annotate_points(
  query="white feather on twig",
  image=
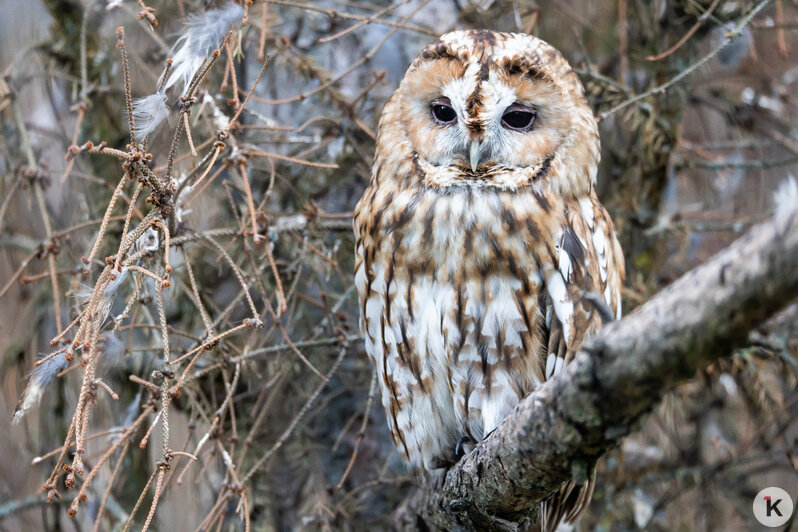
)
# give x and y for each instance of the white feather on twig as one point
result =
(39, 379)
(149, 112)
(203, 32)
(43, 374)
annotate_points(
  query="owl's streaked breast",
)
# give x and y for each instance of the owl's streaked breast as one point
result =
(453, 308)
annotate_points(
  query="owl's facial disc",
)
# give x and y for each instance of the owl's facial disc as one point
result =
(478, 118)
(495, 109)
(516, 117)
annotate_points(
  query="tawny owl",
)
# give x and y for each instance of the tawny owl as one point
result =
(481, 245)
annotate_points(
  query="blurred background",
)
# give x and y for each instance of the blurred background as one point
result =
(284, 417)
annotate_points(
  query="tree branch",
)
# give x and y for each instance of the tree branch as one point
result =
(558, 432)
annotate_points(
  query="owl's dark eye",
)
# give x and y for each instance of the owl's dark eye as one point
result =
(442, 112)
(519, 117)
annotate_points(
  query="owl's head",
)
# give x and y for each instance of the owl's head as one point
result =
(496, 109)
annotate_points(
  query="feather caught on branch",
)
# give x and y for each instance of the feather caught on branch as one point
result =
(149, 112)
(49, 366)
(41, 376)
(202, 33)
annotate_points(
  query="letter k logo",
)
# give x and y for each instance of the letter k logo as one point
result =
(772, 506)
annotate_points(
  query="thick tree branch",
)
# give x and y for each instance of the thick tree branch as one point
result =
(566, 425)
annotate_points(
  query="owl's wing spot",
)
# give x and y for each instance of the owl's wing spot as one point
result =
(571, 244)
(571, 256)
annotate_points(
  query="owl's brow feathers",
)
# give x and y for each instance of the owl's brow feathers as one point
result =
(481, 48)
(515, 65)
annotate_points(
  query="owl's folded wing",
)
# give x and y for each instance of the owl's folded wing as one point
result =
(585, 282)
(585, 285)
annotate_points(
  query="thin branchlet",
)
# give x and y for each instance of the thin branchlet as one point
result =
(120, 43)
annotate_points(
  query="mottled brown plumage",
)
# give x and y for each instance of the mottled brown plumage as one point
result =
(477, 240)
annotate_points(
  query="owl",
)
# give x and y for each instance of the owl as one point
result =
(483, 257)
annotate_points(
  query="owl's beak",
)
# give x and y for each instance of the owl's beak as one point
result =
(474, 153)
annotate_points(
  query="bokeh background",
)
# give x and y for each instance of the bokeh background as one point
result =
(684, 171)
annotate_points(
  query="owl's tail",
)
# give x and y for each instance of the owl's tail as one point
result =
(566, 505)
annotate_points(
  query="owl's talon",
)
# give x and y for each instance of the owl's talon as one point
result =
(601, 306)
(460, 449)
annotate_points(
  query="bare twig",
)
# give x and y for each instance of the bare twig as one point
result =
(659, 89)
(294, 422)
(361, 18)
(704, 16)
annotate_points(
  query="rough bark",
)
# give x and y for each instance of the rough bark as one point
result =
(561, 429)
